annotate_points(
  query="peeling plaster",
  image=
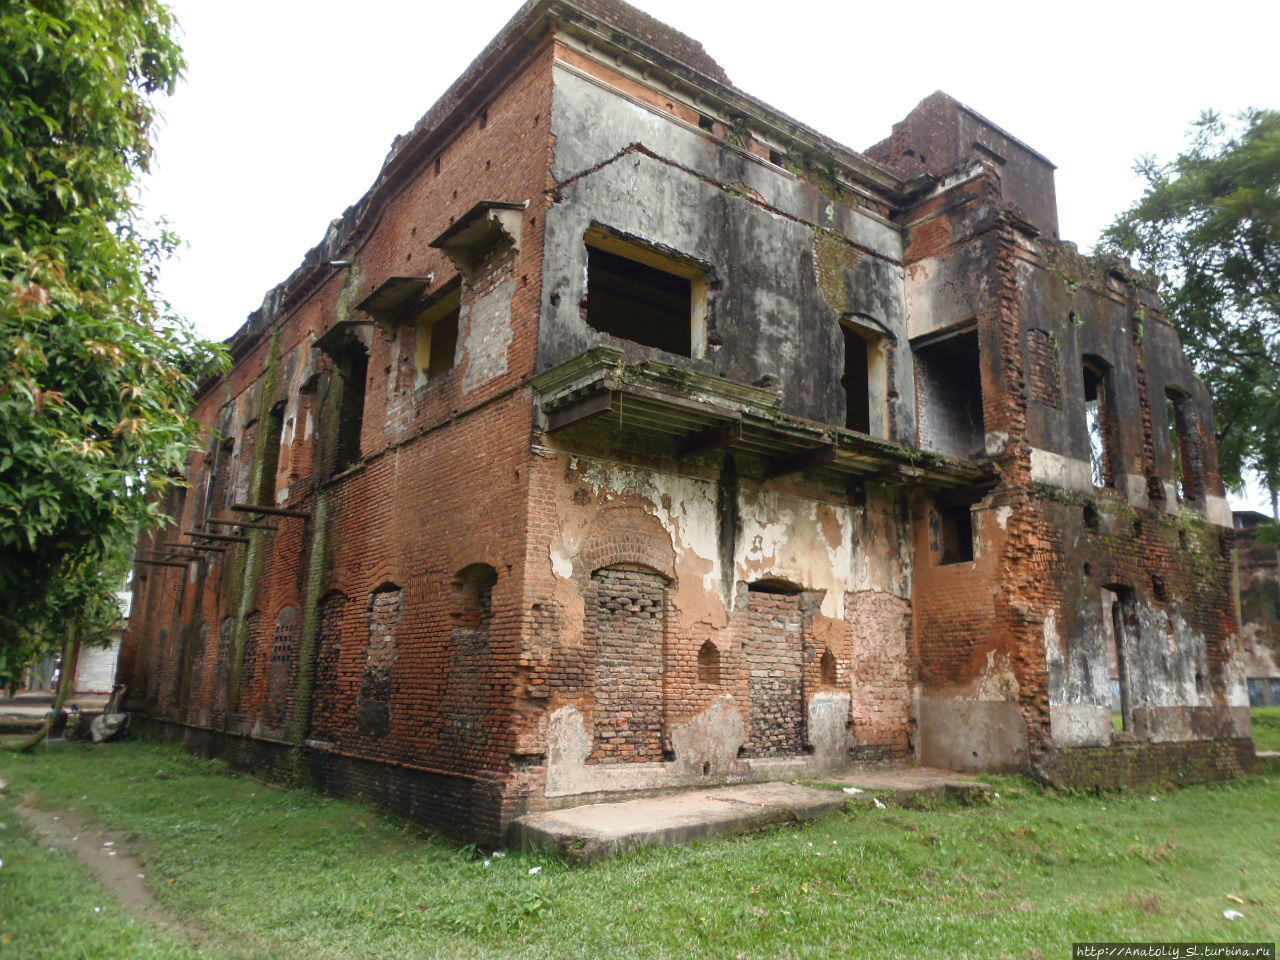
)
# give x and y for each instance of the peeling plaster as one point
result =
(1002, 516)
(792, 539)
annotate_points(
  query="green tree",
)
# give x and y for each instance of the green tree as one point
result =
(96, 378)
(1208, 225)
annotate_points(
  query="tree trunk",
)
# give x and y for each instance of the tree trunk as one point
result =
(70, 649)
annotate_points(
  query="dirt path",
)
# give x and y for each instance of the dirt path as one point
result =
(114, 860)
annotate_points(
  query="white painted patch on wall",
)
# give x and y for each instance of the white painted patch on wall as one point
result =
(1217, 511)
(1002, 516)
(1135, 491)
(1058, 471)
(996, 442)
(691, 521)
(783, 536)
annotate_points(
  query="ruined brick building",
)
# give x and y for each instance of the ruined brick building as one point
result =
(628, 435)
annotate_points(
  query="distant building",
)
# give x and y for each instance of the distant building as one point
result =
(1258, 600)
(630, 435)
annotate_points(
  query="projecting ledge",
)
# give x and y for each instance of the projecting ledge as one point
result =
(697, 412)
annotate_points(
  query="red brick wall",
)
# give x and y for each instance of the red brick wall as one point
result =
(441, 486)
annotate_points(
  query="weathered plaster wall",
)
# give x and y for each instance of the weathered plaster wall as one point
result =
(805, 675)
(784, 262)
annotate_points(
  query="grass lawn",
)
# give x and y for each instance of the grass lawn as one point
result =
(288, 873)
(1266, 728)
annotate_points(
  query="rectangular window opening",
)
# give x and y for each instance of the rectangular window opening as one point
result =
(856, 381)
(1099, 418)
(437, 329)
(1120, 626)
(266, 492)
(1183, 454)
(353, 370)
(949, 393)
(639, 294)
(216, 492)
(955, 533)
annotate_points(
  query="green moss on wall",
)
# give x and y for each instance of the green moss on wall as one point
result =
(832, 255)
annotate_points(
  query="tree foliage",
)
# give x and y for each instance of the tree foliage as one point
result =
(1208, 225)
(96, 378)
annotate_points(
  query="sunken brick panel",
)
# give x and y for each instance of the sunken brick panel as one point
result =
(629, 606)
(1044, 377)
(772, 648)
(324, 703)
(284, 658)
(373, 704)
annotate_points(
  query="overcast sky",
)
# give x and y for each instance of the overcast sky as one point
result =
(290, 107)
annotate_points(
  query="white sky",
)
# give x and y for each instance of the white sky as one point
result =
(290, 107)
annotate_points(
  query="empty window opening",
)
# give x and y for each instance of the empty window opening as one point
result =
(827, 669)
(216, 494)
(1183, 450)
(706, 123)
(774, 585)
(856, 382)
(864, 377)
(353, 370)
(636, 293)
(1091, 521)
(709, 663)
(955, 532)
(1120, 623)
(266, 492)
(1099, 417)
(437, 329)
(949, 395)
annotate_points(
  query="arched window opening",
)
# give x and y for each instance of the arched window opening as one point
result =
(709, 663)
(827, 669)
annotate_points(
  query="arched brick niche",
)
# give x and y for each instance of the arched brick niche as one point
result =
(324, 699)
(373, 702)
(626, 535)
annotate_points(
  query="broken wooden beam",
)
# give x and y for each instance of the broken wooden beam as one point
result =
(579, 411)
(244, 523)
(213, 536)
(273, 511)
(810, 459)
(712, 438)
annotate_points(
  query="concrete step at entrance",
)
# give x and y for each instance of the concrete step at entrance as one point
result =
(598, 830)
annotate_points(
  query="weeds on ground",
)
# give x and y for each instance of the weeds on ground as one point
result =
(314, 877)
